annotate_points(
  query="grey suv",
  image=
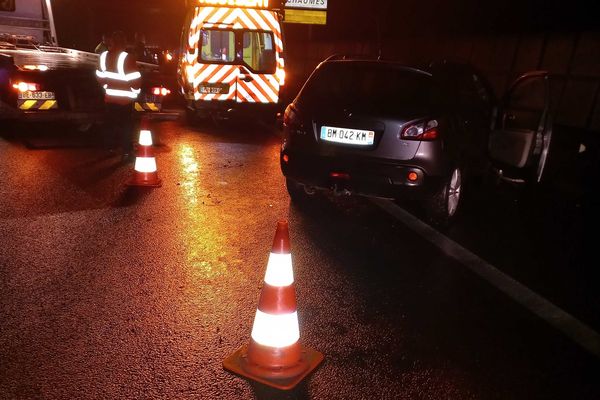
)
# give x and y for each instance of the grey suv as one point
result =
(385, 130)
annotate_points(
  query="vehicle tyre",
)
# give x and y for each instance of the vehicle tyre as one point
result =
(446, 202)
(190, 116)
(299, 193)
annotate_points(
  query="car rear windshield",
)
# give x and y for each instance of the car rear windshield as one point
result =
(379, 87)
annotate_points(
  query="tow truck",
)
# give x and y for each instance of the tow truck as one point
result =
(41, 81)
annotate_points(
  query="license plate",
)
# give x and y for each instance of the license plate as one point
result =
(150, 98)
(347, 136)
(214, 88)
(37, 96)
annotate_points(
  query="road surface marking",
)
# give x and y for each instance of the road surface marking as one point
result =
(579, 332)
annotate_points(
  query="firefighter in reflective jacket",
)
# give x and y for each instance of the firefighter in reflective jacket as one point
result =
(120, 78)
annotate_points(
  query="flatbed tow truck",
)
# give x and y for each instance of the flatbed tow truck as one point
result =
(41, 81)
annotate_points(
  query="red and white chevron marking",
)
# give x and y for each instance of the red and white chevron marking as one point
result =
(262, 88)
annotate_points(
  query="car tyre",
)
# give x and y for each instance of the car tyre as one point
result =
(446, 202)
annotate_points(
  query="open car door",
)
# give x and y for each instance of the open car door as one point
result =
(522, 130)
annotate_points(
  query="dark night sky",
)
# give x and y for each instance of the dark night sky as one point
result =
(80, 23)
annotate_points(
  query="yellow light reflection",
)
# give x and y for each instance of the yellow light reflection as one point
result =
(200, 235)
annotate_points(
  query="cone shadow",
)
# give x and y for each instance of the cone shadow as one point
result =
(132, 195)
(262, 392)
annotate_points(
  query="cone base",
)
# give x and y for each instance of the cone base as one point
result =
(277, 378)
(145, 180)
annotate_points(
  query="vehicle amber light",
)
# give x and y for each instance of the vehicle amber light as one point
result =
(26, 87)
(169, 56)
(160, 91)
(412, 176)
(286, 158)
(36, 67)
(281, 76)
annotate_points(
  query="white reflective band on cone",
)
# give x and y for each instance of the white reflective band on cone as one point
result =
(276, 330)
(279, 270)
(145, 164)
(145, 138)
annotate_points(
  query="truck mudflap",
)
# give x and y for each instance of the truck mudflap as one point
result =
(43, 111)
(165, 115)
(56, 116)
(42, 105)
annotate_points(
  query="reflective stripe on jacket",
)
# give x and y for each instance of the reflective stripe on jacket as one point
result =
(118, 85)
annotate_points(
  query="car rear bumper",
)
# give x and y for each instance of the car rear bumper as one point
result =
(365, 176)
(204, 108)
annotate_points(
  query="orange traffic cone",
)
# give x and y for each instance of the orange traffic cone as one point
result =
(274, 356)
(145, 170)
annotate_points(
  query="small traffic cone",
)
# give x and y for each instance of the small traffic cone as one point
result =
(274, 355)
(145, 170)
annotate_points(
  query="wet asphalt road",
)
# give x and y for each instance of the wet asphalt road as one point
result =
(115, 293)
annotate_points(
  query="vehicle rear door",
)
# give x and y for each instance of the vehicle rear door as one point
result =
(257, 81)
(521, 133)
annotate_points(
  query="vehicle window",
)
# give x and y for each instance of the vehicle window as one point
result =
(369, 85)
(529, 94)
(218, 45)
(259, 51)
(7, 5)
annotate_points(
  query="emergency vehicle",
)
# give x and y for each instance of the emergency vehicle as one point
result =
(232, 57)
(41, 81)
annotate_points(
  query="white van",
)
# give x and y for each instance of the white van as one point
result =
(232, 57)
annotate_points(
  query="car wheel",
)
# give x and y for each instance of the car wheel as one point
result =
(445, 203)
(299, 193)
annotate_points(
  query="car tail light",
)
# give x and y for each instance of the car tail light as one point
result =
(421, 130)
(340, 175)
(33, 67)
(160, 91)
(290, 117)
(26, 86)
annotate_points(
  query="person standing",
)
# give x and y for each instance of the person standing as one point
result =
(140, 47)
(119, 76)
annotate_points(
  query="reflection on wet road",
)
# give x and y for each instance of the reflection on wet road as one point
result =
(109, 292)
